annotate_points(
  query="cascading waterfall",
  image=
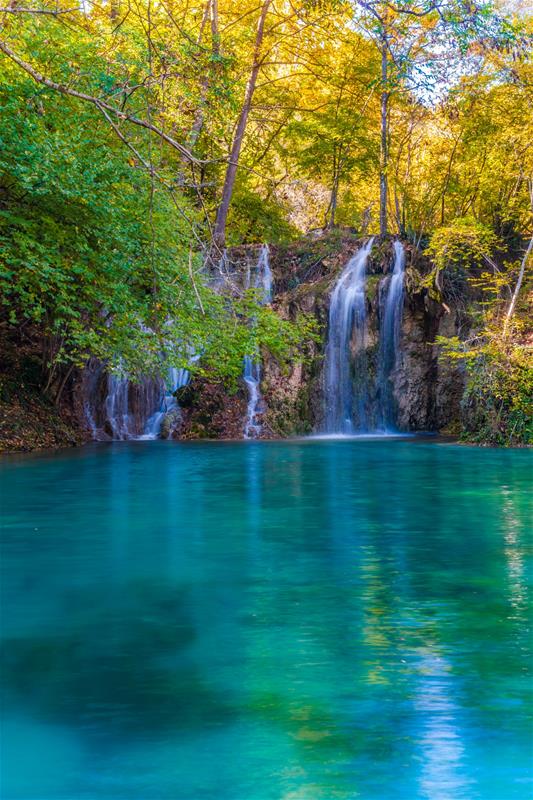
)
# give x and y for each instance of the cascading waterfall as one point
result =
(119, 409)
(358, 375)
(260, 277)
(176, 379)
(252, 378)
(127, 407)
(389, 344)
(346, 390)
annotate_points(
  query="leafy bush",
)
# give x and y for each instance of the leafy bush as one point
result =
(498, 401)
(458, 251)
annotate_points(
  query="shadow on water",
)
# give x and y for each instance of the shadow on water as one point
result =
(119, 666)
(254, 621)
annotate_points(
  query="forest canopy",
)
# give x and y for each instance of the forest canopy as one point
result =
(140, 138)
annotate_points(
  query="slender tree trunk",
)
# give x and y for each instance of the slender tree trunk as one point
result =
(516, 292)
(215, 36)
(62, 384)
(398, 213)
(330, 217)
(448, 177)
(384, 155)
(198, 123)
(365, 220)
(333, 207)
(219, 232)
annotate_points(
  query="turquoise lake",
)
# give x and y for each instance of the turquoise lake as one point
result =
(298, 620)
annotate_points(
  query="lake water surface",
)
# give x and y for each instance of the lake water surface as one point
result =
(314, 620)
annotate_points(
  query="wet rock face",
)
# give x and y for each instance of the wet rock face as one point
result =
(427, 391)
(114, 408)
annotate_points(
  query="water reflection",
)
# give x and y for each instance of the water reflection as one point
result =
(310, 620)
(442, 749)
(514, 554)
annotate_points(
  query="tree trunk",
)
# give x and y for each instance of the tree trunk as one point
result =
(332, 210)
(384, 155)
(219, 232)
(62, 384)
(215, 35)
(516, 292)
(333, 203)
(198, 124)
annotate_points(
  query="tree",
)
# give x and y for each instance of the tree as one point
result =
(333, 142)
(219, 232)
(420, 42)
(100, 250)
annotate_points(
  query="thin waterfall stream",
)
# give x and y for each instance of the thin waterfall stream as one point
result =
(260, 278)
(117, 408)
(127, 406)
(346, 389)
(389, 343)
(176, 379)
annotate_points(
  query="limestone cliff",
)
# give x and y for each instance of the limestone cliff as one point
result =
(427, 392)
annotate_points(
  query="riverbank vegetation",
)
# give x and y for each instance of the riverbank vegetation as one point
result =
(140, 139)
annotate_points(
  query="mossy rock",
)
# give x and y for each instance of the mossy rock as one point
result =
(186, 396)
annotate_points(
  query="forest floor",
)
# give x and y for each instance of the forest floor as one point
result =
(28, 420)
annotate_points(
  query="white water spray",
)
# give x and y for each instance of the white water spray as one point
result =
(389, 343)
(259, 277)
(176, 379)
(346, 391)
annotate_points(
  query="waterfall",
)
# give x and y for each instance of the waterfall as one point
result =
(128, 407)
(260, 278)
(346, 389)
(389, 344)
(119, 409)
(176, 379)
(252, 378)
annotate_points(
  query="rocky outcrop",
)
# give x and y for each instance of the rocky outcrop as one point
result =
(427, 391)
(209, 411)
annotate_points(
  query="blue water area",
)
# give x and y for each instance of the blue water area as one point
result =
(312, 620)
